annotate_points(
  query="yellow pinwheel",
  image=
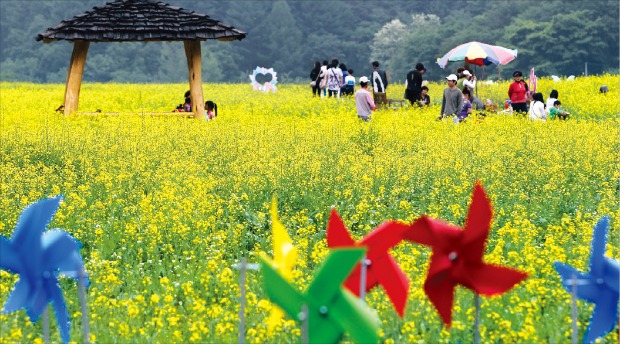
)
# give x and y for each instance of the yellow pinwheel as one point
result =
(284, 253)
(284, 257)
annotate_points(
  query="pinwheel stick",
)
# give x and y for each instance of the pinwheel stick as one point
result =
(573, 294)
(363, 270)
(477, 319)
(82, 294)
(303, 317)
(242, 267)
(46, 327)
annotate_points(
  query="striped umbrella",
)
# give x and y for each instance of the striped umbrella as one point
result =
(480, 54)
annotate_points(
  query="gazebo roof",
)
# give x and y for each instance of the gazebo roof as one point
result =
(139, 21)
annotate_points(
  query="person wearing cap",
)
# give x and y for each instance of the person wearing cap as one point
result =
(518, 93)
(363, 101)
(469, 81)
(413, 83)
(452, 101)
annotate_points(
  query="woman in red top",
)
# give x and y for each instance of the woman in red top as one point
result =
(518, 93)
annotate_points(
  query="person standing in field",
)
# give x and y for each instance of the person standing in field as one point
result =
(460, 77)
(345, 72)
(469, 81)
(363, 101)
(349, 84)
(323, 78)
(452, 101)
(414, 83)
(315, 74)
(334, 79)
(518, 93)
(379, 79)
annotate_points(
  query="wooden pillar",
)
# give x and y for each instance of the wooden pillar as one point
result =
(193, 54)
(74, 75)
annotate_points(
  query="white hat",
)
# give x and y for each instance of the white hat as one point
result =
(466, 72)
(364, 79)
(452, 77)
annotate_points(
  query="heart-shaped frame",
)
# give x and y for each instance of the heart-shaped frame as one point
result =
(267, 86)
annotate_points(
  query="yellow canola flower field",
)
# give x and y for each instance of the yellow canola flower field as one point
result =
(165, 206)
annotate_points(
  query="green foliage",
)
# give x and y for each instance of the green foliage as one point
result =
(556, 37)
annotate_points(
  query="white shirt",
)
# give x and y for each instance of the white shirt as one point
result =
(537, 111)
(376, 79)
(550, 102)
(350, 80)
(323, 71)
(334, 79)
(469, 83)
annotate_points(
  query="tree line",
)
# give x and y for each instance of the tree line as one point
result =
(555, 37)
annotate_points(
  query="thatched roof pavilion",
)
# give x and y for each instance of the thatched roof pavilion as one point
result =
(138, 21)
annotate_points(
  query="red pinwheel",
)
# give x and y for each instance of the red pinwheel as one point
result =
(382, 268)
(457, 256)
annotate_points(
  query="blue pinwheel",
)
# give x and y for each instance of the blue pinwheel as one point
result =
(598, 286)
(39, 256)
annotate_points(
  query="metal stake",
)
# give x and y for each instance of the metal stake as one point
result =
(573, 294)
(82, 294)
(46, 327)
(242, 267)
(477, 319)
(365, 263)
(303, 316)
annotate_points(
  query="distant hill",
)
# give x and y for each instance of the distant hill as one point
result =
(556, 37)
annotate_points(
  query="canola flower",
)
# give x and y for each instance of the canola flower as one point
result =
(164, 205)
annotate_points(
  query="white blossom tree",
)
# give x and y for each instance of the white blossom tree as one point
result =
(387, 42)
(390, 42)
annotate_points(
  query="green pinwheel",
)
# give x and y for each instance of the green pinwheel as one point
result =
(331, 309)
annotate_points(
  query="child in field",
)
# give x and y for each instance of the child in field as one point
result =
(349, 84)
(424, 98)
(187, 106)
(555, 111)
(210, 110)
(466, 109)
